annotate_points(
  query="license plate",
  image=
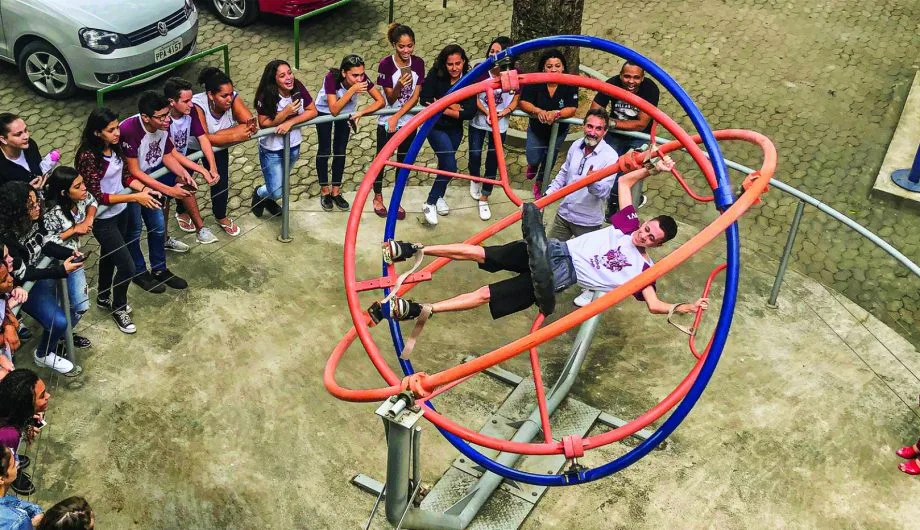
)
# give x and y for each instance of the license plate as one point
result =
(169, 49)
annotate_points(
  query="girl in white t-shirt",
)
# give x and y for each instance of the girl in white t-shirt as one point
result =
(339, 94)
(481, 130)
(281, 102)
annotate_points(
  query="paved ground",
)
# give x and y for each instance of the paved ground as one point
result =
(214, 414)
(825, 81)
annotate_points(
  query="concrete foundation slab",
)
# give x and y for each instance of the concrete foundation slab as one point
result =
(902, 150)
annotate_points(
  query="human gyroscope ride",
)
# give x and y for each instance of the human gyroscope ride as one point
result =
(408, 396)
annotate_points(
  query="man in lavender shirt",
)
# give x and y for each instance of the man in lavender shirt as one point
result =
(599, 261)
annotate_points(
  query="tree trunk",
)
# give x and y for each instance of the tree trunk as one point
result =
(542, 18)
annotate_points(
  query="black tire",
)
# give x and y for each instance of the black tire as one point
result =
(45, 71)
(236, 12)
(541, 273)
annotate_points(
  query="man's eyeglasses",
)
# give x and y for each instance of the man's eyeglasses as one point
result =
(161, 117)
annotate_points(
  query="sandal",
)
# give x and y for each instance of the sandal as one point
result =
(231, 228)
(401, 214)
(381, 210)
(908, 452)
(910, 467)
(185, 223)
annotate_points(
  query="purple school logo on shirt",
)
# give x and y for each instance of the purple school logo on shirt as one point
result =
(180, 141)
(613, 260)
(154, 154)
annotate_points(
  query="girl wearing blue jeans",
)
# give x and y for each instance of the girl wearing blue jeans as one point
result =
(21, 230)
(481, 130)
(281, 102)
(447, 133)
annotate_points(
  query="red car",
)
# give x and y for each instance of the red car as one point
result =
(244, 12)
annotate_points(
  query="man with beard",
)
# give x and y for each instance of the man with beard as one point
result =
(627, 117)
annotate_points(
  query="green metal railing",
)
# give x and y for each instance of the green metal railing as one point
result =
(100, 94)
(297, 21)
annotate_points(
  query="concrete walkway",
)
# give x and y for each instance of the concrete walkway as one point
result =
(214, 415)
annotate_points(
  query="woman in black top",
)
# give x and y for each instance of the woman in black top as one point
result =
(447, 133)
(20, 158)
(546, 103)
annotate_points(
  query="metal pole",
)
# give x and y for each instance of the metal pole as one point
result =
(285, 236)
(297, 43)
(550, 155)
(391, 12)
(909, 179)
(226, 59)
(68, 336)
(784, 261)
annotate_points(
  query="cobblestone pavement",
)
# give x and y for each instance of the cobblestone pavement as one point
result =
(826, 81)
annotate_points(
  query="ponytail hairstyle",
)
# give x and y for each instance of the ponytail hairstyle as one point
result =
(213, 78)
(348, 62)
(72, 513)
(397, 30)
(267, 95)
(57, 190)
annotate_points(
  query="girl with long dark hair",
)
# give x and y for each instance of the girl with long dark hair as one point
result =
(400, 75)
(340, 91)
(447, 134)
(481, 131)
(546, 103)
(101, 164)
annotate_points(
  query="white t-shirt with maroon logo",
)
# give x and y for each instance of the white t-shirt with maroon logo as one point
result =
(147, 147)
(332, 86)
(607, 258)
(181, 129)
(388, 74)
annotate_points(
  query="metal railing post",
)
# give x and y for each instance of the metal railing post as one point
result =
(226, 59)
(390, 20)
(285, 236)
(68, 336)
(297, 43)
(550, 155)
(784, 261)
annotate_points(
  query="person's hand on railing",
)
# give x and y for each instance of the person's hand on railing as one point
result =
(71, 265)
(18, 296)
(283, 128)
(392, 123)
(147, 198)
(211, 177)
(252, 126)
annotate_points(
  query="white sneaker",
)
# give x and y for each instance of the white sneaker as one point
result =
(484, 212)
(175, 245)
(585, 298)
(58, 364)
(442, 207)
(206, 237)
(431, 216)
(475, 190)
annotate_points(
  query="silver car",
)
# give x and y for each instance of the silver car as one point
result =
(60, 45)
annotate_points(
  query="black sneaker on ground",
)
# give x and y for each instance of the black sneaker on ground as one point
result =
(123, 321)
(325, 201)
(258, 205)
(272, 207)
(396, 251)
(340, 203)
(166, 277)
(23, 484)
(106, 303)
(79, 341)
(24, 333)
(147, 282)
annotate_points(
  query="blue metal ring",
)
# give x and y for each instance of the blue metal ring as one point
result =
(723, 199)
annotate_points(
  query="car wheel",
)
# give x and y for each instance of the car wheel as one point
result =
(236, 12)
(45, 71)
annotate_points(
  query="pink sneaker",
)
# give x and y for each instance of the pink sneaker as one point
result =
(537, 194)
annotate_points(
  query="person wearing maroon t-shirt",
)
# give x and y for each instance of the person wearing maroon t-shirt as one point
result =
(401, 76)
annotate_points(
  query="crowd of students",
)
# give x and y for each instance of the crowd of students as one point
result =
(128, 170)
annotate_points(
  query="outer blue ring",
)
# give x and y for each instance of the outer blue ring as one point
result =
(723, 199)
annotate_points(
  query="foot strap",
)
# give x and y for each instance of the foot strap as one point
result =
(685, 329)
(419, 257)
(416, 331)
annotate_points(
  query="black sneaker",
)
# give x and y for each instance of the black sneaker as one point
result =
(123, 321)
(258, 205)
(340, 203)
(23, 484)
(24, 333)
(166, 277)
(402, 309)
(272, 207)
(106, 303)
(396, 251)
(79, 341)
(326, 202)
(147, 282)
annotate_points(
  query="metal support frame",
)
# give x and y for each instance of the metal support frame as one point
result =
(787, 251)
(285, 236)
